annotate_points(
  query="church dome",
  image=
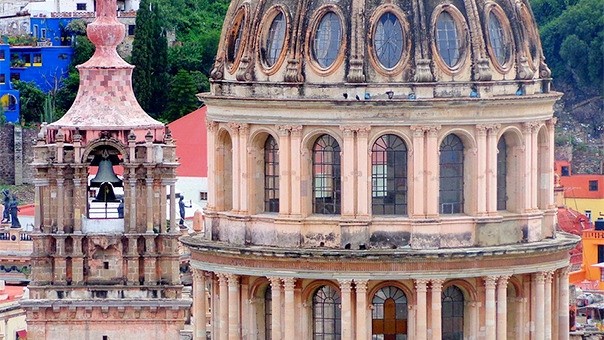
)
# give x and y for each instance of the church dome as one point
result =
(380, 50)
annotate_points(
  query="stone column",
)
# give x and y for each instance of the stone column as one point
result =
(363, 171)
(223, 309)
(481, 164)
(296, 170)
(79, 198)
(492, 168)
(548, 305)
(436, 286)
(539, 305)
(244, 185)
(551, 128)
(563, 303)
(132, 203)
(432, 172)
(173, 228)
(275, 307)
(361, 316)
(420, 321)
(348, 173)
(60, 201)
(528, 163)
(211, 151)
(234, 322)
(39, 202)
(417, 208)
(284, 170)
(289, 313)
(489, 307)
(502, 307)
(520, 318)
(345, 291)
(149, 184)
(236, 170)
(534, 166)
(199, 305)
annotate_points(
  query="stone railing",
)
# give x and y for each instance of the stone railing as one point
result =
(15, 239)
(595, 234)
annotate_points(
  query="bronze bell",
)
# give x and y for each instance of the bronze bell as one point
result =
(105, 175)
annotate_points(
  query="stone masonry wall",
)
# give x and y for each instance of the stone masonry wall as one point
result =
(7, 154)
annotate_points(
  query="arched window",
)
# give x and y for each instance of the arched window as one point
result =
(452, 313)
(389, 315)
(326, 175)
(268, 314)
(389, 176)
(498, 39)
(451, 175)
(326, 314)
(447, 39)
(271, 175)
(502, 174)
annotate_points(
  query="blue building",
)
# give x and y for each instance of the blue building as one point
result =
(46, 66)
(9, 98)
(51, 30)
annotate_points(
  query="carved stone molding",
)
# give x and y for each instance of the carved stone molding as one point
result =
(345, 285)
(360, 286)
(490, 282)
(289, 283)
(421, 285)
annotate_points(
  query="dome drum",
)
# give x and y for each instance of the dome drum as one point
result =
(488, 45)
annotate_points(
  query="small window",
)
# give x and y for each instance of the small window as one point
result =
(80, 7)
(327, 40)
(271, 175)
(35, 32)
(593, 185)
(37, 59)
(2, 55)
(15, 76)
(2, 78)
(131, 29)
(235, 37)
(565, 171)
(203, 195)
(388, 40)
(588, 214)
(447, 39)
(43, 34)
(451, 175)
(498, 39)
(106, 265)
(326, 176)
(27, 59)
(105, 337)
(275, 40)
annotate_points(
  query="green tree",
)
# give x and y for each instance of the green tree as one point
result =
(32, 101)
(181, 97)
(150, 57)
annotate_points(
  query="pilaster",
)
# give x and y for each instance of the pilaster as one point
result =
(275, 307)
(502, 307)
(361, 311)
(285, 183)
(289, 320)
(345, 292)
(436, 286)
(421, 324)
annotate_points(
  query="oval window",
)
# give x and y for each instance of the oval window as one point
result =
(275, 40)
(235, 37)
(388, 41)
(447, 39)
(327, 40)
(497, 38)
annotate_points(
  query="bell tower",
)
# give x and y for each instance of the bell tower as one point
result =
(105, 261)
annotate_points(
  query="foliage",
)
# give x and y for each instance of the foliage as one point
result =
(150, 56)
(76, 27)
(83, 50)
(22, 40)
(66, 95)
(572, 34)
(32, 101)
(181, 98)
(50, 113)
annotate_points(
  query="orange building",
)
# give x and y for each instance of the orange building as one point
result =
(582, 192)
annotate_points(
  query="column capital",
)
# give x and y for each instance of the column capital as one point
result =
(232, 279)
(549, 276)
(418, 130)
(360, 286)
(345, 285)
(490, 282)
(421, 285)
(551, 123)
(503, 280)
(529, 127)
(234, 127)
(222, 278)
(275, 281)
(211, 125)
(539, 277)
(348, 130)
(363, 131)
(283, 130)
(481, 129)
(437, 284)
(289, 283)
(564, 271)
(244, 128)
(198, 274)
(296, 130)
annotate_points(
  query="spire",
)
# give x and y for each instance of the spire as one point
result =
(105, 99)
